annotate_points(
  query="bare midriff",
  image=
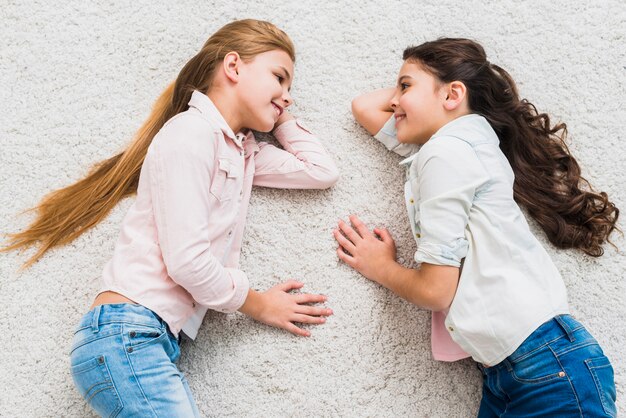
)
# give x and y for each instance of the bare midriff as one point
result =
(108, 297)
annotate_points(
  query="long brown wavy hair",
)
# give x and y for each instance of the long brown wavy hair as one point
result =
(547, 177)
(65, 214)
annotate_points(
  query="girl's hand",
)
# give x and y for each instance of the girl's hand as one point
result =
(284, 117)
(369, 253)
(281, 309)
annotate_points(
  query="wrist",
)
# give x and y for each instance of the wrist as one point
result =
(253, 305)
(389, 270)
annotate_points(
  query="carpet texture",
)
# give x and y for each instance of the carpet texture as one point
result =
(78, 78)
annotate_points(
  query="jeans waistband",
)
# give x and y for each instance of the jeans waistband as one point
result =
(558, 327)
(120, 313)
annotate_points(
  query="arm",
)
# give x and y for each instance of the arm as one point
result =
(431, 287)
(278, 308)
(372, 110)
(449, 174)
(302, 164)
(178, 168)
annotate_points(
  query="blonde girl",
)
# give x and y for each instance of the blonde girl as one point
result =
(495, 293)
(192, 165)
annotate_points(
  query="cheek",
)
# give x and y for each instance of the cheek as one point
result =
(406, 105)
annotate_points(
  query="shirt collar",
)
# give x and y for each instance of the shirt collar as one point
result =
(472, 128)
(408, 160)
(207, 108)
(466, 126)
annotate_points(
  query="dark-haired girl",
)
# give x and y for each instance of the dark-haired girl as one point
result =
(494, 291)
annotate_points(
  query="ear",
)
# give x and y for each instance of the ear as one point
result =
(231, 65)
(455, 95)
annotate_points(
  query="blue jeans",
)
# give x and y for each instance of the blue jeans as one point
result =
(559, 371)
(122, 363)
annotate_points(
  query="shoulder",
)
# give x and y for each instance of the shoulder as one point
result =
(189, 124)
(446, 148)
(186, 132)
(449, 159)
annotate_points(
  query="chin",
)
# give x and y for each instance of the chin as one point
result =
(263, 126)
(401, 138)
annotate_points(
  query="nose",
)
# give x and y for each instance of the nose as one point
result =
(394, 101)
(287, 99)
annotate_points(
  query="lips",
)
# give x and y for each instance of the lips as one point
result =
(278, 109)
(399, 117)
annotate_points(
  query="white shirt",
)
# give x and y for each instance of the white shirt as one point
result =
(459, 195)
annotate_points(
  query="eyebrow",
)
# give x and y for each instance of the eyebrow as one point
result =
(286, 72)
(402, 78)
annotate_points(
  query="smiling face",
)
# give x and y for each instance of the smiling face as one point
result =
(419, 104)
(263, 89)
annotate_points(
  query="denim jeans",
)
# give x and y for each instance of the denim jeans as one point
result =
(122, 363)
(559, 371)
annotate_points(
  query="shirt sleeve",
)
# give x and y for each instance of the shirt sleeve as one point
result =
(448, 174)
(181, 162)
(302, 164)
(388, 137)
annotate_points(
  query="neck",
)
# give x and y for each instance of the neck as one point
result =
(462, 110)
(224, 102)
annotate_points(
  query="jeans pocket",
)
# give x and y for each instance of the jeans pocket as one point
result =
(539, 367)
(602, 373)
(93, 381)
(141, 337)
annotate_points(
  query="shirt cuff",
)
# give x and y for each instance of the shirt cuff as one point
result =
(289, 129)
(388, 137)
(441, 254)
(241, 286)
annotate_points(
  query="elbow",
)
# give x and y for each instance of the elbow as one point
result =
(431, 299)
(357, 108)
(323, 177)
(178, 272)
(440, 303)
(439, 287)
(331, 178)
(441, 297)
(185, 268)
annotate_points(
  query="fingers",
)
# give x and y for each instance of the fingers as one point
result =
(309, 298)
(306, 319)
(344, 242)
(296, 330)
(347, 230)
(346, 258)
(289, 285)
(313, 310)
(361, 228)
(384, 235)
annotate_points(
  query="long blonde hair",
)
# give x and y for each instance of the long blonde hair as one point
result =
(65, 214)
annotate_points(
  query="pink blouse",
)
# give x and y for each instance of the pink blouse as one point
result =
(179, 246)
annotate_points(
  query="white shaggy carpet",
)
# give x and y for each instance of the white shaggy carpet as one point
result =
(78, 78)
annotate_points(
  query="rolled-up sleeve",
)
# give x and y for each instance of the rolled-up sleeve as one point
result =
(388, 137)
(302, 164)
(180, 163)
(448, 174)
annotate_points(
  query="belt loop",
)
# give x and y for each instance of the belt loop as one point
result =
(95, 318)
(565, 326)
